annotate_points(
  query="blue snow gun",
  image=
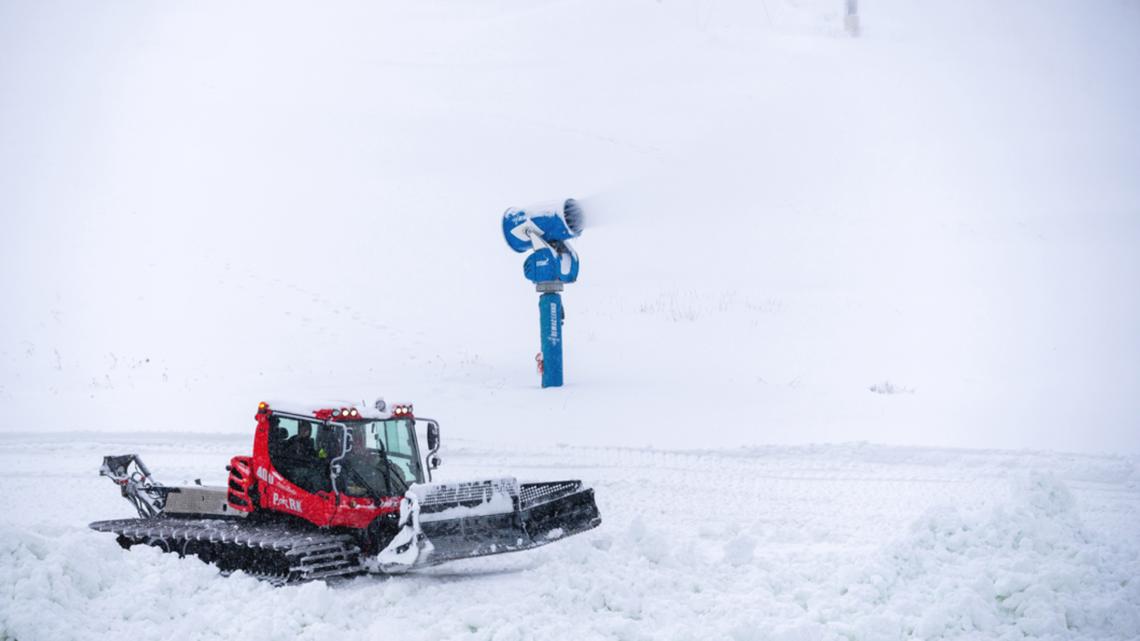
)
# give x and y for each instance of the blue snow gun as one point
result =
(543, 230)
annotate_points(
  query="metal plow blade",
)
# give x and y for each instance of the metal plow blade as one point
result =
(446, 522)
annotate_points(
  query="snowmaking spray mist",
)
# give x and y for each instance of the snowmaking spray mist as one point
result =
(543, 231)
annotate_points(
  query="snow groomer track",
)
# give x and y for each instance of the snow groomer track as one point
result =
(274, 551)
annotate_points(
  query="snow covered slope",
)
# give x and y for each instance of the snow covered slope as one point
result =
(835, 542)
(209, 204)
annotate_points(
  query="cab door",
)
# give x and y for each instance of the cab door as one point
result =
(298, 480)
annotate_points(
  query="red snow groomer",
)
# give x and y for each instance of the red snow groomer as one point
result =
(339, 490)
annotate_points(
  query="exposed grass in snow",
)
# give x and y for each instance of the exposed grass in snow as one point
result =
(887, 387)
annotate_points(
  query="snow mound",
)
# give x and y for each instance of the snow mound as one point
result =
(1025, 567)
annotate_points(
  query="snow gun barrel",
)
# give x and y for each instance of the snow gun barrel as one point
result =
(559, 220)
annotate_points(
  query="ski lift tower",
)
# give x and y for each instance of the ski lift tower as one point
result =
(543, 230)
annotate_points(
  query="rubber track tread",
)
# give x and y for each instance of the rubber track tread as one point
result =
(308, 554)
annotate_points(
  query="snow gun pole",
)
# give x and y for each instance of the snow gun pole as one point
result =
(542, 232)
(550, 329)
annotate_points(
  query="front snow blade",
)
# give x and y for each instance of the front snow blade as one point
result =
(466, 520)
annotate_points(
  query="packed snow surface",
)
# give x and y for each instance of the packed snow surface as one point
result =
(832, 542)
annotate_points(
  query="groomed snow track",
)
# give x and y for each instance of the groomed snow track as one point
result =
(275, 552)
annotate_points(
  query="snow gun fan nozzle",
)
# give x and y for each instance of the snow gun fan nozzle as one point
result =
(572, 212)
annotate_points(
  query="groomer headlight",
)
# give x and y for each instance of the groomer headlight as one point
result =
(555, 221)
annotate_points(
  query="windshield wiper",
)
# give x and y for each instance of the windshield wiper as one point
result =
(387, 464)
(366, 484)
